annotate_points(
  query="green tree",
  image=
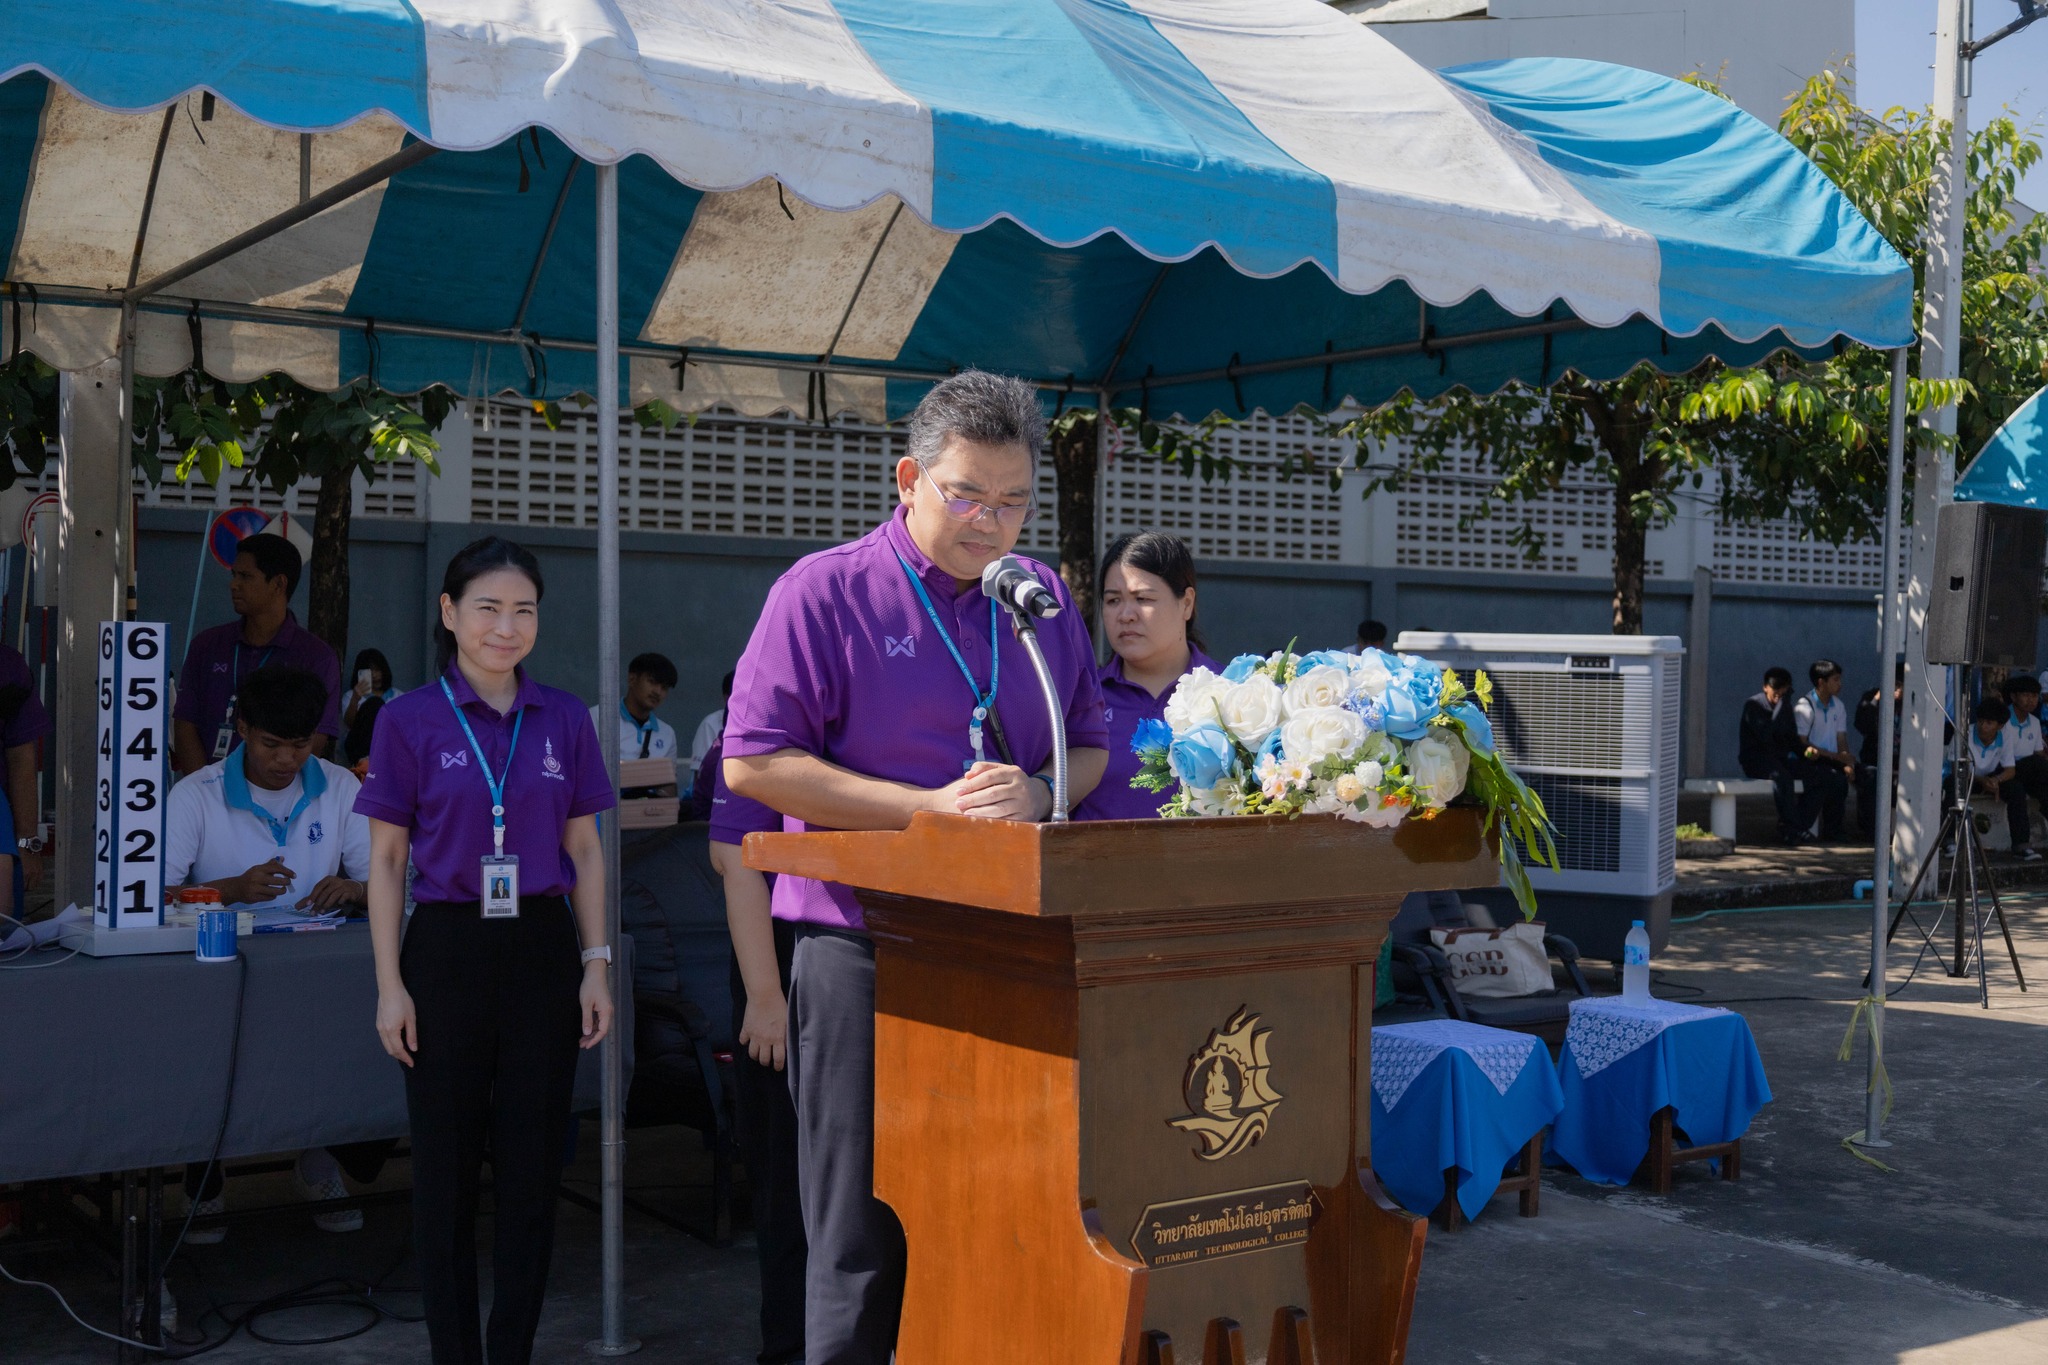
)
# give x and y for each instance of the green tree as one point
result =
(286, 432)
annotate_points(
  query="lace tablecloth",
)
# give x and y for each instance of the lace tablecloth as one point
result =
(1401, 1051)
(1452, 1096)
(1604, 1029)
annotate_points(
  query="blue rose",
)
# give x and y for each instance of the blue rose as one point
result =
(1326, 658)
(1406, 717)
(1478, 729)
(1243, 666)
(1424, 680)
(1204, 756)
(1152, 740)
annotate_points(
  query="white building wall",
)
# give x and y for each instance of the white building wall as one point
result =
(1760, 51)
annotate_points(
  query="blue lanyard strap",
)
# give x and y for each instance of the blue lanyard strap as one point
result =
(983, 702)
(495, 783)
(642, 728)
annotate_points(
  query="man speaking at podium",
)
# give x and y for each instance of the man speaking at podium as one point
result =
(880, 682)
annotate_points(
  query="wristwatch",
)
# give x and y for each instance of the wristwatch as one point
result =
(31, 844)
(601, 953)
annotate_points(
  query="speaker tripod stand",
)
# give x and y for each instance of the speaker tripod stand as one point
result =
(1969, 886)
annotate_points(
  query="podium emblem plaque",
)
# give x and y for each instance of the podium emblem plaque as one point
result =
(1230, 1101)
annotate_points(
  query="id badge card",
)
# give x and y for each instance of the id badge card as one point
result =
(501, 886)
(224, 739)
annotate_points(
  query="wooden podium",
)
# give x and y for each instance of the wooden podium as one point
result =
(1123, 1079)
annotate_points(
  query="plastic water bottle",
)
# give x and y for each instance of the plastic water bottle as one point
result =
(1635, 966)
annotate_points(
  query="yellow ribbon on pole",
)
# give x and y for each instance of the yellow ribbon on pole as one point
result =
(1865, 1013)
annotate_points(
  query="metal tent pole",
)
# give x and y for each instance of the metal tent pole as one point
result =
(1887, 758)
(614, 1342)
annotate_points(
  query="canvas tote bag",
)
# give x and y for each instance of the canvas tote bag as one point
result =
(1496, 962)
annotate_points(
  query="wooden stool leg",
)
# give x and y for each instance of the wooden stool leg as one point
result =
(1450, 1216)
(1155, 1348)
(1226, 1343)
(1731, 1164)
(1532, 1168)
(1292, 1344)
(1660, 1151)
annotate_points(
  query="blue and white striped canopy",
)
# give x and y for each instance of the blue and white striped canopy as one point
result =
(1197, 204)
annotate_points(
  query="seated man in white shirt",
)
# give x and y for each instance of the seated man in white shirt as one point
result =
(710, 728)
(1991, 770)
(641, 733)
(273, 825)
(2025, 745)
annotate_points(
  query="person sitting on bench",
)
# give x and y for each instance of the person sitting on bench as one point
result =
(2024, 745)
(1770, 747)
(1991, 770)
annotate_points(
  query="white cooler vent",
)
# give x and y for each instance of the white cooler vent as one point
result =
(1590, 722)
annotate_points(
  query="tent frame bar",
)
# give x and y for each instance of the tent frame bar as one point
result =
(346, 322)
(298, 213)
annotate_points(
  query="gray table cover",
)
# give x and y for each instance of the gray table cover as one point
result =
(113, 1064)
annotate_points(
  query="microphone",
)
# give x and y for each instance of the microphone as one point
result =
(1009, 582)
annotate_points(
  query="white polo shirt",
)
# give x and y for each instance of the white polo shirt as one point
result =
(220, 825)
(2022, 736)
(661, 736)
(1988, 760)
(1822, 725)
(708, 731)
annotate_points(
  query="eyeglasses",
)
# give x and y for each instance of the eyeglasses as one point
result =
(967, 509)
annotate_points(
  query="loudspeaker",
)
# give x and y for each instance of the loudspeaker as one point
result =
(1986, 605)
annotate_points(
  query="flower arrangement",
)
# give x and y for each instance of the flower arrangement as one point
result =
(1374, 737)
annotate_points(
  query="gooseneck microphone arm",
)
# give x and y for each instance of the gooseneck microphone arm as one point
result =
(1010, 582)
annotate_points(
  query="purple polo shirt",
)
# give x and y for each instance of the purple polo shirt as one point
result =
(424, 776)
(218, 663)
(1124, 705)
(733, 818)
(31, 722)
(844, 664)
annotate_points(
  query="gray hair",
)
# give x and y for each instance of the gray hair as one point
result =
(989, 409)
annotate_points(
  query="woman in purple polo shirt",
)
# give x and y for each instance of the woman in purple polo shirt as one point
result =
(1148, 613)
(491, 784)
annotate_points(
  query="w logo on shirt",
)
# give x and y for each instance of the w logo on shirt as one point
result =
(907, 646)
(458, 759)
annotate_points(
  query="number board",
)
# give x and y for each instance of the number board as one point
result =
(133, 772)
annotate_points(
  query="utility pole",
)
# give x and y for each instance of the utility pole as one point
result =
(1920, 741)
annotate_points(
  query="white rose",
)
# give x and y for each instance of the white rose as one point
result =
(1323, 685)
(1371, 675)
(1437, 768)
(1193, 698)
(1251, 710)
(1379, 817)
(1316, 733)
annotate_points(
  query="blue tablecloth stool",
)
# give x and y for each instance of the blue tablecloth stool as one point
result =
(1448, 1095)
(1623, 1064)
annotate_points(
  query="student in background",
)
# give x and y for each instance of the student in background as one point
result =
(1372, 634)
(1825, 765)
(1992, 770)
(641, 733)
(369, 688)
(2024, 745)
(1770, 750)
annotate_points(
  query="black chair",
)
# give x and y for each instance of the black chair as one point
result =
(673, 905)
(1543, 1014)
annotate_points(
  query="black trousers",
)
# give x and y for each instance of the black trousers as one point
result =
(1827, 791)
(1795, 810)
(2030, 775)
(854, 1280)
(768, 1147)
(499, 1022)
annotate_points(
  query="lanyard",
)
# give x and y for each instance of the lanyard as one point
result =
(235, 791)
(496, 784)
(645, 729)
(984, 702)
(268, 650)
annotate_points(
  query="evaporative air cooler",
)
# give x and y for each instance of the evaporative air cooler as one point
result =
(1591, 723)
